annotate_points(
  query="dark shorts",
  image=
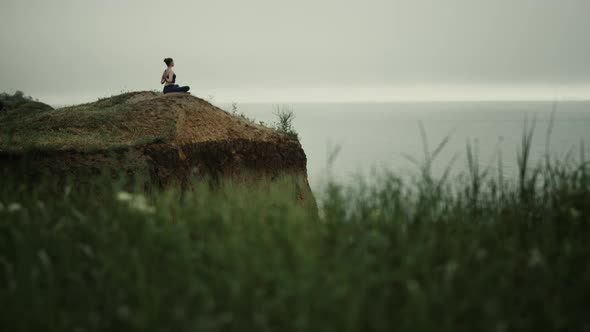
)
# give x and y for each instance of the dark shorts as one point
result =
(175, 88)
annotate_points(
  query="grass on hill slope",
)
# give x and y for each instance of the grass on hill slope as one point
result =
(106, 123)
(129, 119)
(480, 254)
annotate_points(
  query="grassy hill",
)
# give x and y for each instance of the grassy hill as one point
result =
(168, 139)
(105, 124)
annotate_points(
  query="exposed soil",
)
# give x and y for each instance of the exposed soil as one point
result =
(172, 139)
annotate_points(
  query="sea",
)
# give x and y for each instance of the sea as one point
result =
(348, 142)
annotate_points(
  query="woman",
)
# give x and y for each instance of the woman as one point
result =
(169, 77)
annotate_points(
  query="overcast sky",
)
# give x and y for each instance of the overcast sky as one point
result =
(67, 50)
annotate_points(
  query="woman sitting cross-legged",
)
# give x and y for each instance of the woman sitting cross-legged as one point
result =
(169, 78)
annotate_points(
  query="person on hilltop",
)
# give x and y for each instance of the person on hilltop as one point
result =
(169, 79)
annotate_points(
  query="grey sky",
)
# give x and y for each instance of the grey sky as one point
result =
(71, 48)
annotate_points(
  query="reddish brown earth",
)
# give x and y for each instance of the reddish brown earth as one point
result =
(172, 139)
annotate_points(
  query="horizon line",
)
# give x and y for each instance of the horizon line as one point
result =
(363, 94)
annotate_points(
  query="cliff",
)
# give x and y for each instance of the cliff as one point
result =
(173, 139)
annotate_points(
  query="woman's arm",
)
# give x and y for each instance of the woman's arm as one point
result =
(167, 76)
(164, 78)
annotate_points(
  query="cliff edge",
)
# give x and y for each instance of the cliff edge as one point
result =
(172, 138)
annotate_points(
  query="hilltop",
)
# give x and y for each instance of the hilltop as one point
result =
(172, 138)
(125, 120)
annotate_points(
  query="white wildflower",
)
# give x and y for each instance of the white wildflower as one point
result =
(413, 286)
(536, 258)
(136, 202)
(574, 213)
(67, 191)
(480, 254)
(13, 207)
(124, 196)
(140, 204)
(44, 258)
(123, 312)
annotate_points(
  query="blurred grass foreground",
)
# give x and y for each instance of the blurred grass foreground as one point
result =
(480, 252)
(477, 253)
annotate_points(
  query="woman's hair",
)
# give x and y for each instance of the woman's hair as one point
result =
(168, 61)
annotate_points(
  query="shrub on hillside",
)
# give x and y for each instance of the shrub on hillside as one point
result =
(20, 102)
(284, 124)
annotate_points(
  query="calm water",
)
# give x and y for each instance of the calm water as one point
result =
(381, 135)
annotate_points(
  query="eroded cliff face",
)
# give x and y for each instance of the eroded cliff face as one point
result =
(172, 140)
